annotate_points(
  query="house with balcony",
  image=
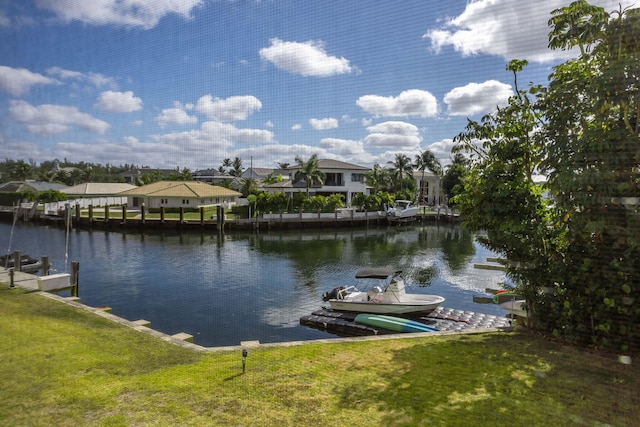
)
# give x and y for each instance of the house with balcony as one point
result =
(340, 178)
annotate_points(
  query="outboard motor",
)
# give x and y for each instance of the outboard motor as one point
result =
(333, 294)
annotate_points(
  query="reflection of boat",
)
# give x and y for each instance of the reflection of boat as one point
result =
(27, 263)
(393, 299)
(397, 324)
(402, 211)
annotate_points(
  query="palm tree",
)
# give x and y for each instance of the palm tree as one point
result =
(402, 168)
(378, 178)
(249, 186)
(309, 172)
(427, 160)
(237, 167)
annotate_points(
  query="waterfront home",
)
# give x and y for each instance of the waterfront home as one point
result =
(180, 194)
(340, 178)
(429, 187)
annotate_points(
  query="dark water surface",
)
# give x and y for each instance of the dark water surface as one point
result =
(223, 289)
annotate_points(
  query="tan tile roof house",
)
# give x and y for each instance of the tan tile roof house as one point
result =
(175, 194)
(97, 189)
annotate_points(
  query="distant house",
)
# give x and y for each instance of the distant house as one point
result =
(340, 178)
(177, 194)
(96, 189)
(211, 176)
(429, 187)
(132, 176)
(30, 185)
(259, 173)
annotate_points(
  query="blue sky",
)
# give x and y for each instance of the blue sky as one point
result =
(187, 83)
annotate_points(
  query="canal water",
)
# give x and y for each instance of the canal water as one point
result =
(224, 289)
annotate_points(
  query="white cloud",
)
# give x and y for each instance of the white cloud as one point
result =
(175, 115)
(308, 58)
(414, 102)
(18, 81)
(231, 109)
(297, 126)
(476, 98)
(52, 119)
(96, 79)
(130, 13)
(394, 134)
(507, 28)
(323, 124)
(345, 148)
(118, 102)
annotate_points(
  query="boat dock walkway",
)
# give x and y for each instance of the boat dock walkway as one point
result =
(442, 318)
(26, 281)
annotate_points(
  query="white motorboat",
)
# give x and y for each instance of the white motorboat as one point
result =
(517, 307)
(402, 211)
(392, 299)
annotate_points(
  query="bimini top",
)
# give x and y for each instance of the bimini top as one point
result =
(376, 273)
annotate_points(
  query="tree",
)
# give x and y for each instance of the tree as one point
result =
(21, 170)
(452, 178)
(309, 172)
(236, 167)
(378, 178)
(499, 193)
(402, 168)
(249, 186)
(592, 109)
(427, 160)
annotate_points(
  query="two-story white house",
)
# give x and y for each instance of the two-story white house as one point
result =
(340, 178)
(428, 184)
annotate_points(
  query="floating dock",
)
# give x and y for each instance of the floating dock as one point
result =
(342, 323)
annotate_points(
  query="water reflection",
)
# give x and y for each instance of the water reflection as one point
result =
(224, 289)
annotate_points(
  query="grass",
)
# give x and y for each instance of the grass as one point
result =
(65, 367)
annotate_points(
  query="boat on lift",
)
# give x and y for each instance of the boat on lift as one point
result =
(391, 298)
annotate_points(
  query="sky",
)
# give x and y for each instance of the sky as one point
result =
(188, 83)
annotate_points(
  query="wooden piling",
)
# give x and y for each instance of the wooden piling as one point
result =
(124, 213)
(162, 214)
(106, 214)
(17, 261)
(75, 282)
(90, 214)
(46, 265)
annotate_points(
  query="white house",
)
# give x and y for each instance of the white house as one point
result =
(340, 178)
(429, 186)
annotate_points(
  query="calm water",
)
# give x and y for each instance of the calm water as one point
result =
(223, 289)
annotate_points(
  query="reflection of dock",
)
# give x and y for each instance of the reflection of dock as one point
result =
(444, 319)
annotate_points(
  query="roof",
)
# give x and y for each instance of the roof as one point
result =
(325, 164)
(98, 188)
(180, 189)
(45, 186)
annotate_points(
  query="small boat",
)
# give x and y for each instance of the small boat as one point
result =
(392, 300)
(512, 301)
(397, 324)
(402, 211)
(517, 307)
(27, 263)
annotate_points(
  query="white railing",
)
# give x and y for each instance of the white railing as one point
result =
(53, 207)
(322, 215)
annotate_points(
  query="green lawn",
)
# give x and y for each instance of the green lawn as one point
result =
(61, 366)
